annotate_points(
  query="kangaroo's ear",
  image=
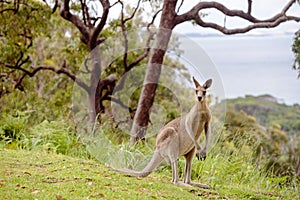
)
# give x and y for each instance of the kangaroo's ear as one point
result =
(207, 84)
(196, 82)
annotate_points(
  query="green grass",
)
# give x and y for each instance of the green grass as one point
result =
(36, 175)
(41, 175)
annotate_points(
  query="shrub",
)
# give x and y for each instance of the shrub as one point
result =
(13, 128)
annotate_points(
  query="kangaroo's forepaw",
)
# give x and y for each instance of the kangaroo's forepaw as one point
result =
(201, 155)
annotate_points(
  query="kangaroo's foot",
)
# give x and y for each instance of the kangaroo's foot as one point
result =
(180, 183)
(201, 155)
(204, 186)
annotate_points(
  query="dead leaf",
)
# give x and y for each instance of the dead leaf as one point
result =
(58, 197)
(90, 183)
(88, 179)
(98, 195)
(143, 190)
(27, 173)
(35, 192)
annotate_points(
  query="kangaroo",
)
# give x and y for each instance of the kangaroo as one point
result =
(180, 138)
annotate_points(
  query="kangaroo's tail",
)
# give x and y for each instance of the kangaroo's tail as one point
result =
(154, 163)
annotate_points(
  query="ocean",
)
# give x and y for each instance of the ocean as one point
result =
(245, 65)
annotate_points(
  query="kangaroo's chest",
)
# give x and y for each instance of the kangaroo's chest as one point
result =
(199, 122)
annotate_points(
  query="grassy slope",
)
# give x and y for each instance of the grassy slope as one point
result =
(39, 175)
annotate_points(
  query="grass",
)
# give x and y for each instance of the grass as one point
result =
(39, 175)
(42, 175)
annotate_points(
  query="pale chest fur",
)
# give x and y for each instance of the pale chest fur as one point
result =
(197, 118)
(199, 122)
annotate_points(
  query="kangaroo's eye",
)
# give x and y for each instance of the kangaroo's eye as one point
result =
(204, 92)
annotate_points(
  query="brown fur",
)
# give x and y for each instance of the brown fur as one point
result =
(180, 138)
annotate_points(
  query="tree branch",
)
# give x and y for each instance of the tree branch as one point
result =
(83, 9)
(66, 14)
(107, 84)
(180, 5)
(15, 9)
(95, 33)
(249, 7)
(124, 32)
(153, 19)
(274, 21)
(116, 100)
(134, 12)
(141, 57)
(227, 31)
(62, 70)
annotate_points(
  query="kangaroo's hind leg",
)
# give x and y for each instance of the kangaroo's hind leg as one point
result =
(188, 168)
(175, 179)
(168, 146)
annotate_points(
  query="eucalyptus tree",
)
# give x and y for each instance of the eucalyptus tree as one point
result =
(23, 23)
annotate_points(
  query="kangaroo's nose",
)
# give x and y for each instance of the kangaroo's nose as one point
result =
(199, 98)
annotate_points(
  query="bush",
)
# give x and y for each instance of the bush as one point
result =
(13, 129)
(53, 136)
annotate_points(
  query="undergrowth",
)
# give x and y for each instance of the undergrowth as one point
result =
(227, 169)
(52, 136)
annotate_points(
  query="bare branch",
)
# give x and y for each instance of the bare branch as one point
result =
(124, 32)
(153, 19)
(180, 5)
(95, 33)
(22, 61)
(66, 14)
(274, 21)
(118, 101)
(134, 12)
(107, 84)
(226, 31)
(249, 7)
(142, 56)
(84, 10)
(62, 70)
(288, 6)
(15, 9)
(114, 4)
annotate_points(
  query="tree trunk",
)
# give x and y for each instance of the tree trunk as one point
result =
(95, 78)
(104, 90)
(141, 118)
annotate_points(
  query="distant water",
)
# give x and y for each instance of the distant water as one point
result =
(254, 65)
